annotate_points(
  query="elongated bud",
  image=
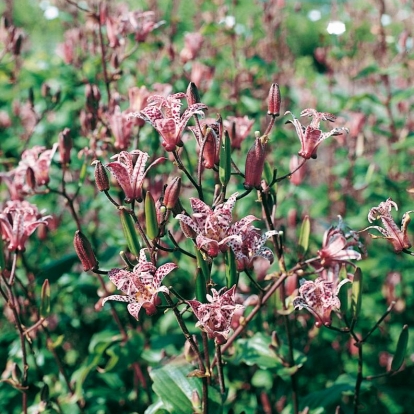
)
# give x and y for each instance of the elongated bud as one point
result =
(193, 96)
(45, 299)
(209, 152)
(84, 251)
(255, 164)
(274, 100)
(45, 90)
(65, 145)
(101, 177)
(16, 373)
(151, 217)
(187, 230)
(93, 96)
(130, 232)
(172, 192)
(231, 268)
(17, 44)
(225, 160)
(30, 178)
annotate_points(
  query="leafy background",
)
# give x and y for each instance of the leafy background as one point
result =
(366, 70)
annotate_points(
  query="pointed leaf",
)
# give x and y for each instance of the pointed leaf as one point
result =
(130, 232)
(356, 296)
(151, 217)
(231, 268)
(401, 349)
(225, 160)
(203, 274)
(45, 299)
(303, 243)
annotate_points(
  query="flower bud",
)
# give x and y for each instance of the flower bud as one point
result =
(187, 230)
(30, 178)
(65, 145)
(254, 165)
(17, 43)
(209, 150)
(16, 373)
(45, 90)
(84, 251)
(151, 217)
(193, 96)
(101, 177)
(172, 193)
(274, 100)
(93, 96)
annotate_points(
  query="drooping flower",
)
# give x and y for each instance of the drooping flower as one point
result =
(337, 248)
(214, 317)
(164, 115)
(38, 159)
(141, 286)
(396, 236)
(250, 246)
(18, 221)
(130, 173)
(320, 298)
(311, 136)
(213, 227)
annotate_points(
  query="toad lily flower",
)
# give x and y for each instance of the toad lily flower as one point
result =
(18, 221)
(250, 246)
(397, 237)
(130, 174)
(141, 286)
(213, 227)
(214, 318)
(164, 115)
(311, 136)
(320, 299)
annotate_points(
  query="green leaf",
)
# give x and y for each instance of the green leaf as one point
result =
(151, 217)
(203, 274)
(45, 299)
(304, 234)
(231, 268)
(175, 389)
(401, 349)
(130, 232)
(356, 296)
(225, 160)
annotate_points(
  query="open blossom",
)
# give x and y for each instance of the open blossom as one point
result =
(130, 172)
(251, 245)
(38, 159)
(141, 286)
(337, 248)
(213, 227)
(165, 116)
(311, 136)
(214, 317)
(18, 221)
(320, 298)
(396, 236)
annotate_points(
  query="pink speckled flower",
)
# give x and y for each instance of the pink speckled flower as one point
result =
(141, 286)
(213, 227)
(320, 298)
(250, 246)
(311, 136)
(214, 318)
(164, 115)
(192, 46)
(130, 172)
(397, 237)
(18, 221)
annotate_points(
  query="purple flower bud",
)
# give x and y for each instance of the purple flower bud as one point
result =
(254, 165)
(172, 192)
(84, 251)
(65, 145)
(193, 96)
(274, 100)
(101, 177)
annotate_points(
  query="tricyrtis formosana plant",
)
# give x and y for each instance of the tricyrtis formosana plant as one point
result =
(224, 293)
